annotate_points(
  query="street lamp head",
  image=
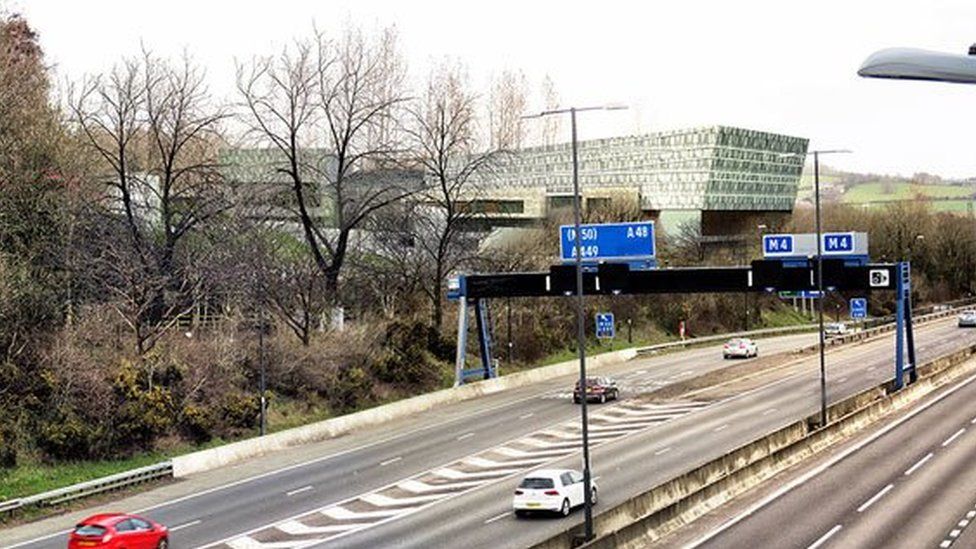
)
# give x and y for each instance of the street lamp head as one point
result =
(916, 64)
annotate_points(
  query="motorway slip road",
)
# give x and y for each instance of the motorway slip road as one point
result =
(910, 483)
(385, 489)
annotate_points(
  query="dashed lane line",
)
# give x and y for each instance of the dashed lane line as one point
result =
(864, 506)
(823, 539)
(918, 464)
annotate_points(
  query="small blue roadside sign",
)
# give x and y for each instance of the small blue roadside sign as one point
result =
(838, 243)
(859, 307)
(777, 245)
(810, 294)
(608, 242)
(604, 325)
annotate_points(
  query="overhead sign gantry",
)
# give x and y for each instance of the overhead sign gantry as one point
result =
(792, 272)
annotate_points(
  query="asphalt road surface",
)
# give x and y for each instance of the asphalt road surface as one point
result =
(911, 485)
(447, 480)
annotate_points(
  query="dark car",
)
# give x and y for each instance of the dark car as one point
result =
(118, 530)
(600, 389)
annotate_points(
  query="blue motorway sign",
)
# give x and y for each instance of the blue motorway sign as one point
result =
(604, 325)
(859, 307)
(608, 241)
(837, 243)
(810, 294)
(777, 245)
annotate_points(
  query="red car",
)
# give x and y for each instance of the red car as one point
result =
(118, 531)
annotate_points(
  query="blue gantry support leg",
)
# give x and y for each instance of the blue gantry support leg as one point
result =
(909, 332)
(484, 337)
(903, 327)
(462, 342)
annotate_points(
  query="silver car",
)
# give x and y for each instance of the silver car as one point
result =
(967, 319)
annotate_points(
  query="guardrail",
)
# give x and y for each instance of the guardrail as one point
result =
(91, 487)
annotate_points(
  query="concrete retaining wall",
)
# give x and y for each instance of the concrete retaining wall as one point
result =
(653, 514)
(220, 456)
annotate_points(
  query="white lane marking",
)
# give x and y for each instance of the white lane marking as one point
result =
(341, 513)
(420, 487)
(187, 525)
(662, 451)
(389, 461)
(245, 542)
(971, 514)
(499, 517)
(918, 464)
(829, 463)
(874, 498)
(769, 411)
(527, 416)
(721, 427)
(642, 372)
(956, 435)
(945, 543)
(298, 491)
(955, 533)
(379, 500)
(963, 523)
(823, 539)
(296, 528)
(465, 435)
(454, 474)
(842, 380)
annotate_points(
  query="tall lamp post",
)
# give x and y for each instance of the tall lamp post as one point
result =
(820, 287)
(580, 321)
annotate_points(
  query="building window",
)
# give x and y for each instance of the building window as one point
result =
(497, 206)
(560, 202)
(597, 203)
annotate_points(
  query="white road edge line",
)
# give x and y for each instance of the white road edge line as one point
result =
(875, 498)
(829, 463)
(391, 460)
(187, 525)
(955, 435)
(298, 490)
(823, 539)
(499, 517)
(465, 435)
(918, 464)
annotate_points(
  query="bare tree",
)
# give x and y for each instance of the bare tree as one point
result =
(156, 133)
(443, 133)
(342, 97)
(551, 125)
(506, 106)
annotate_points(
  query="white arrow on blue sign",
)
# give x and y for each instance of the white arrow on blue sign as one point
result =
(859, 307)
(604, 325)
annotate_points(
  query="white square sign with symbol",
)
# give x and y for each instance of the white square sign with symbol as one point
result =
(879, 278)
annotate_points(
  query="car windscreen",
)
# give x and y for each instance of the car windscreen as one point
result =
(89, 530)
(534, 483)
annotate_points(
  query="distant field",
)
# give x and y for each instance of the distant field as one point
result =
(875, 192)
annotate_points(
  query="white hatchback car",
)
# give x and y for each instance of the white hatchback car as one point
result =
(740, 347)
(551, 491)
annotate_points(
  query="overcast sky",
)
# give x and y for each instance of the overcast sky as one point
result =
(779, 66)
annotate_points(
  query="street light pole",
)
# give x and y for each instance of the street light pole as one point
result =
(580, 320)
(820, 288)
(820, 292)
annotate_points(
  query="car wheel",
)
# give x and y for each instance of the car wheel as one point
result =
(576, 400)
(616, 395)
(520, 513)
(163, 544)
(564, 510)
(593, 498)
(603, 398)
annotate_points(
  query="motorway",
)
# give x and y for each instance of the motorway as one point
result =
(911, 485)
(446, 481)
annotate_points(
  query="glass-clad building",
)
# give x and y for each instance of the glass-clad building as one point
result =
(689, 174)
